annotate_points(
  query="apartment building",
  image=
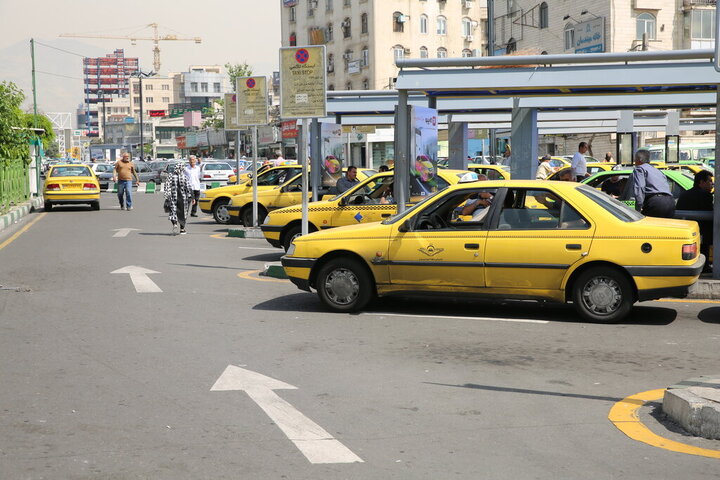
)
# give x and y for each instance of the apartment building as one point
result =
(364, 37)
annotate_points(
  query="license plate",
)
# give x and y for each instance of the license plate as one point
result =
(71, 185)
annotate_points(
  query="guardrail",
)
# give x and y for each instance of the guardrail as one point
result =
(14, 183)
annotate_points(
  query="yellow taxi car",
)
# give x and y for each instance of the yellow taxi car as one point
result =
(216, 200)
(578, 245)
(285, 195)
(492, 172)
(369, 201)
(71, 184)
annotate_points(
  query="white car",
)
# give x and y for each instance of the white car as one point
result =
(211, 172)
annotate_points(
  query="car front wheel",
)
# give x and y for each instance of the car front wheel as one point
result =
(345, 285)
(602, 295)
(247, 216)
(220, 211)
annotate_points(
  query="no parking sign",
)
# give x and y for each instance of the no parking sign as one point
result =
(252, 101)
(302, 82)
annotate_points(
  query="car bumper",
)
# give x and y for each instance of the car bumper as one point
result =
(298, 270)
(655, 282)
(77, 197)
(272, 233)
(233, 211)
(205, 205)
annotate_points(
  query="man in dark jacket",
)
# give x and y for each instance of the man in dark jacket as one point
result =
(700, 197)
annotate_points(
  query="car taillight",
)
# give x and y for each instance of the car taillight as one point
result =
(207, 176)
(53, 186)
(89, 186)
(689, 251)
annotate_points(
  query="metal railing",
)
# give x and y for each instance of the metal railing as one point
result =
(14, 183)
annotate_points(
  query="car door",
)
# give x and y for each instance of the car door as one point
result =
(289, 194)
(363, 204)
(536, 236)
(442, 248)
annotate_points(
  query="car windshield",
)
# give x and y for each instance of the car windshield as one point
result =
(71, 171)
(618, 209)
(398, 216)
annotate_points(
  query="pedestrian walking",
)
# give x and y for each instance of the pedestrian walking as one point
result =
(650, 186)
(579, 164)
(123, 174)
(178, 198)
(192, 171)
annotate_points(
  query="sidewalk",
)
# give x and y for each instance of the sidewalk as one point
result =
(19, 211)
(706, 288)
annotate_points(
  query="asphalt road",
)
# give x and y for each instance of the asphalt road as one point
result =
(99, 381)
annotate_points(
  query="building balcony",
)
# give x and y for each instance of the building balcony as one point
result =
(698, 3)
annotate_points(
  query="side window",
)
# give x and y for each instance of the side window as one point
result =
(295, 185)
(465, 210)
(494, 175)
(538, 210)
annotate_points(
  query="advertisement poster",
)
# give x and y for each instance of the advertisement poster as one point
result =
(252, 101)
(302, 82)
(424, 147)
(332, 151)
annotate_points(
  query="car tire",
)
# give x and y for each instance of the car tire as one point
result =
(247, 219)
(603, 295)
(345, 285)
(48, 206)
(95, 205)
(294, 232)
(220, 211)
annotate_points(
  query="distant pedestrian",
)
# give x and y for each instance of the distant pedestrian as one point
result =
(650, 186)
(348, 181)
(123, 174)
(383, 168)
(178, 197)
(192, 171)
(544, 169)
(700, 198)
(609, 157)
(579, 164)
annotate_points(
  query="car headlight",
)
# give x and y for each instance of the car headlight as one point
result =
(203, 195)
(267, 220)
(291, 250)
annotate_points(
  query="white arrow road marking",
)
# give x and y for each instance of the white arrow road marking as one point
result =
(140, 279)
(485, 319)
(316, 444)
(123, 232)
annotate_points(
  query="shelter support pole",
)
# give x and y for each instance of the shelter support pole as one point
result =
(672, 137)
(524, 142)
(625, 141)
(402, 151)
(316, 160)
(716, 216)
(457, 145)
(303, 158)
(432, 102)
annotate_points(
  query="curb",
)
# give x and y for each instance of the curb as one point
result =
(706, 289)
(694, 405)
(245, 232)
(274, 270)
(20, 211)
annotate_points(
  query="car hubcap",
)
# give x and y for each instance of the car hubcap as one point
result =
(602, 295)
(222, 213)
(342, 286)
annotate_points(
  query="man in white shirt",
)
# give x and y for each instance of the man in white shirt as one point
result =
(192, 172)
(578, 164)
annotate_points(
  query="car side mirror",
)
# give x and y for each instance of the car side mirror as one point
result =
(343, 202)
(406, 226)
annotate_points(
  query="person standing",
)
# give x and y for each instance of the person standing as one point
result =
(123, 174)
(650, 186)
(348, 181)
(609, 157)
(178, 197)
(578, 164)
(192, 171)
(544, 170)
(700, 197)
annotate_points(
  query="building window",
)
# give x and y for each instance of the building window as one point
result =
(544, 17)
(398, 52)
(466, 53)
(423, 52)
(702, 24)
(165, 86)
(365, 57)
(149, 100)
(398, 22)
(347, 56)
(423, 23)
(329, 32)
(366, 84)
(348, 86)
(346, 3)
(136, 88)
(216, 87)
(204, 87)
(293, 39)
(311, 8)
(442, 52)
(166, 99)
(193, 87)
(645, 25)
(328, 5)
(364, 23)
(148, 86)
(569, 36)
(293, 14)
(511, 46)
(330, 63)
(467, 27)
(136, 99)
(331, 87)
(441, 25)
(346, 27)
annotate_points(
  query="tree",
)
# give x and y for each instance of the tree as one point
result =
(53, 150)
(48, 136)
(13, 137)
(236, 70)
(215, 115)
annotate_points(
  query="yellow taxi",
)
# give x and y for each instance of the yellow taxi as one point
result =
(492, 172)
(216, 200)
(369, 201)
(71, 184)
(577, 244)
(285, 195)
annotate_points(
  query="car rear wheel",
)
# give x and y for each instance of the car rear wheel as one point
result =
(95, 205)
(345, 285)
(220, 211)
(48, 206)
(291, 235)
(247, 216)
(602, 295)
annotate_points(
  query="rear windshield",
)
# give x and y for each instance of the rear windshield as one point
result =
(618, 209)
(71, 171)
(217, 166)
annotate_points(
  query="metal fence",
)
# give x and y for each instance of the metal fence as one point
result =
(14, 183)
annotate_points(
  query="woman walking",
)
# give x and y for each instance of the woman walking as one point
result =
(178, 198)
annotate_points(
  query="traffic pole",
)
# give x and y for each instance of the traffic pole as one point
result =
(35, 120)
(303, 153)
(254, 175)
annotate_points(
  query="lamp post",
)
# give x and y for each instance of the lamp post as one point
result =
(140, 74)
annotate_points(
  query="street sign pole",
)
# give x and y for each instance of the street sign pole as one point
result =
(254, 174)
(304, 159)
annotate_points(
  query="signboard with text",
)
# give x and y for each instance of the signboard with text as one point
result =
(230, 112)
(252, 101)
(302, 82)
(590, 36)
(289, 129)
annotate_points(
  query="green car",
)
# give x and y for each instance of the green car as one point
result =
(678, 181)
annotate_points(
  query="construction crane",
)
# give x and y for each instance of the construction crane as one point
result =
(156, 39)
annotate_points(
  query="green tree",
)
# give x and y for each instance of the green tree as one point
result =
(48, 136)
(53, 151)
(215, 115)
(13, 136)
(236, 70)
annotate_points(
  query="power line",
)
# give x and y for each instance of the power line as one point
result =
(58, 75)
(60, 49)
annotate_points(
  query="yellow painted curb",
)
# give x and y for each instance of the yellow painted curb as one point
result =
(21, 231)
(624, 416)
(251, 275)
(689, 300)
(219, 235)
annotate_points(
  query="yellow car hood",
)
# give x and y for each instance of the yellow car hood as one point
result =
(348, 232)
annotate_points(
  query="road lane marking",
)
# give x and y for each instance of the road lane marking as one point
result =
(250, 275)
(123, 232)
(140, 279)
(624, 416)
(311, 439)
(21, 231)
(485, 319)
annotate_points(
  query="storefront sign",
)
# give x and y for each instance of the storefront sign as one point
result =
(156, 113)
(181, 142)
(289, 129)
(302, 82)
(366, 129)
(590, 36)
(252, 101)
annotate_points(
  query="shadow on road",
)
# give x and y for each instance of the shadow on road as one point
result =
(494, 388)
(266, 257)
(298, 302)
(710, 315)
(224, 267)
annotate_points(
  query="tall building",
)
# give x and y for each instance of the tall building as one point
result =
(364, 37)
(105, 78)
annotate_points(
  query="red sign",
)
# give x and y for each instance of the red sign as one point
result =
(181, 142)
(156, 113)
(289, 129)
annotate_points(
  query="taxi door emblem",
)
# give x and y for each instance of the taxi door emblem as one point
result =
(358, 217)
(430, 250)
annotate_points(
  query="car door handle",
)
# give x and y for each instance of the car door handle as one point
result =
(573, 246)
(472, 246)
(385, 215)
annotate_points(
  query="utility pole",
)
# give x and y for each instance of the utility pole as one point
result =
(35, 118)
(142, 150)
(491, 52)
